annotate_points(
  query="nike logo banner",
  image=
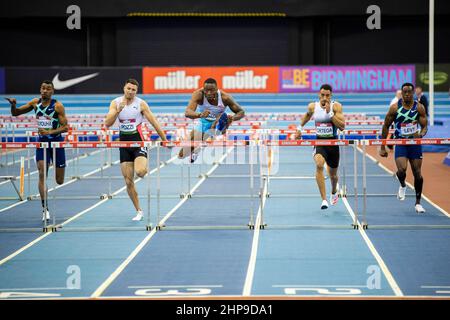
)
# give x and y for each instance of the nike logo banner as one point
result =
(62, 84)
(70, 80)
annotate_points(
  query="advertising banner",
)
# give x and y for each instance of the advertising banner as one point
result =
(346, 78)
(441, 77)
(230, 79)
(79, 80)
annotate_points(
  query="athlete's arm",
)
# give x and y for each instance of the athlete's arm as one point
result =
(192, 106)
(239, 113)
(148, 114)
(22, 109)
(306, 118)
(113, 113)
(390, 117)
(423, 122)
(338, 119)
(63, 126)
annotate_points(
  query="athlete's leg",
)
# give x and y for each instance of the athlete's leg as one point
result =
(332, 173)
(402, 165)
(186, 151)
(320, 178)
(128, 174)
(416, 166)
(140, 166)
(41, 184)
(60, 165)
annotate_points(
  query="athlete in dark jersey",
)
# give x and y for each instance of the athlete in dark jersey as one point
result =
(407, 115)
(52, 121)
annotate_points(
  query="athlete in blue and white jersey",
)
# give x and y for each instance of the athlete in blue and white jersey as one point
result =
(410, 121)
(51, 121)
(209, 105)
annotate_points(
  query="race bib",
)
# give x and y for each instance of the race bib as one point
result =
(408, 129)
(324, 129)
(127, 125)
(211, 117)
(44, 123)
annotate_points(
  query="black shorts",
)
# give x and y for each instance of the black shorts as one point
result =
(330, 153)
(129, 154)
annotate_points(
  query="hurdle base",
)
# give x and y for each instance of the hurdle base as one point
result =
(51, 228)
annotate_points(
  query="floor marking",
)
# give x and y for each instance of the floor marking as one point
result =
(48, 233)
(315, 285)
(114, 193)
(59, 186)
(68, 161)
(407, 183)
(395, 287)
(37, 289)
(252, 262)
(101, 289)
(173, 286)
(24, 248)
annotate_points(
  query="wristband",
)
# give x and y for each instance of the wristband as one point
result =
(331, 114)
(300, 128)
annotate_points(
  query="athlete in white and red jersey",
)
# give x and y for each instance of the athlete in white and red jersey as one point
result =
(328, 117)
(131, 110)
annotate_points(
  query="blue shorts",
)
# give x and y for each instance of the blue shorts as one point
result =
(205, 126)
(409, 152)
(60, 161)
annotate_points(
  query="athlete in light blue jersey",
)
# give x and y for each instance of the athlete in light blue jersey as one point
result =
(208, 104)
(407, 115)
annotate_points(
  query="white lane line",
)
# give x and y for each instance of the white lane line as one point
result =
(317, 286)
(23, 248)
(183, 286)
(407, 183)
(115, 193)
(50, 169)
(60, 186)
(390, 278)
(35, 289)
(254, 252)
(101, 289)
(48, 233)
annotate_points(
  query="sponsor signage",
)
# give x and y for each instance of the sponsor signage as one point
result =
(346, 78)
(72, 80)
(441, 77)
(230, 79)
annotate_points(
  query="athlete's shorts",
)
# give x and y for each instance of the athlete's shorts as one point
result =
(409, 152)
(130, 154)
(330, 154)
(205, 125)
(60, 161)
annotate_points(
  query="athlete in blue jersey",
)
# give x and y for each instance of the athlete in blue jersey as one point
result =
(52, 121)
(211, 103)
(410, 121)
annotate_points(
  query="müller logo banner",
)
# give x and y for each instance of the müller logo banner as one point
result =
(230, 79)
(375, 78)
